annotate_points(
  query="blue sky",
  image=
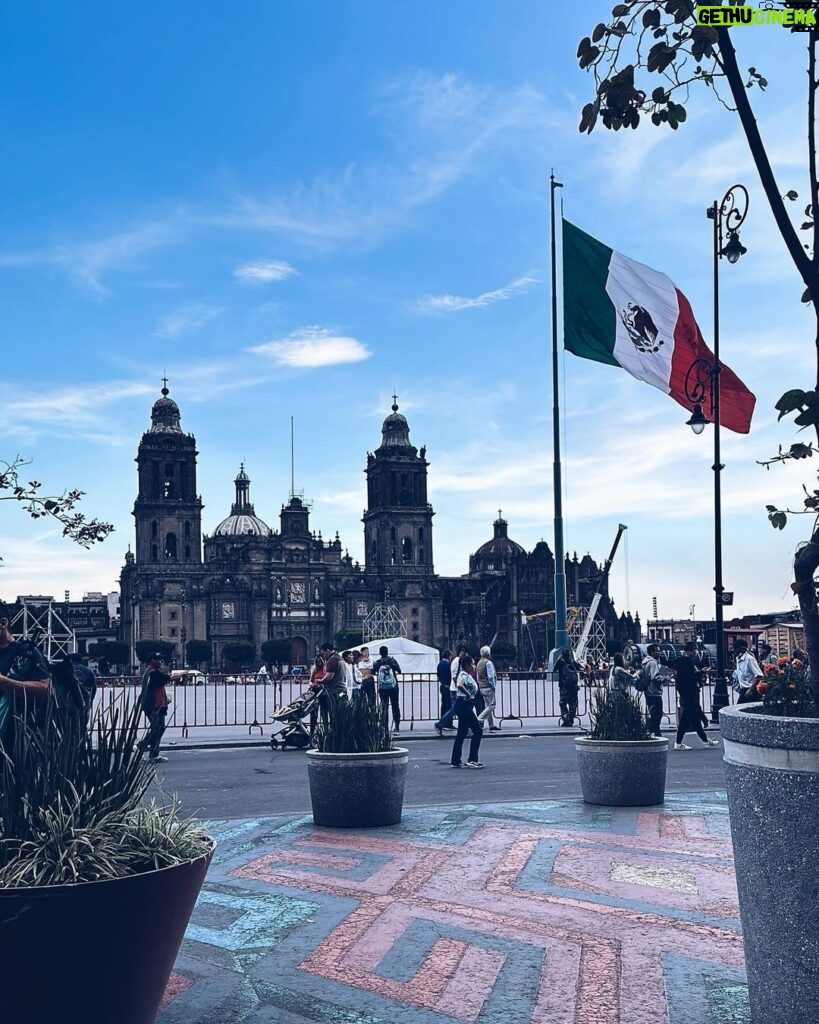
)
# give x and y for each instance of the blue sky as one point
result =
(294, 209)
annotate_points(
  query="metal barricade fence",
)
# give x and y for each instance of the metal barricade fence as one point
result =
(524, 698)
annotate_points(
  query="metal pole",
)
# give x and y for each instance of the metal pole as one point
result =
(561, 633)
(720, 695)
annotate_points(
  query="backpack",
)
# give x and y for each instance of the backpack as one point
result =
(386, 676)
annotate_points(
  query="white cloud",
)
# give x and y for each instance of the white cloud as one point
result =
(433, 304)
(311, 347)
(264, 271)
(186, 320)
(80, 408)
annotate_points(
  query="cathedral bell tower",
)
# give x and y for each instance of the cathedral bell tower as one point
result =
(398, 519)
(168, 511)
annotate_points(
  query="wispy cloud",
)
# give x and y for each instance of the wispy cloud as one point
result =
(186, 320)
(439, 304)
(86, 263)
(80, 410)
(312, 347)
(264, 271)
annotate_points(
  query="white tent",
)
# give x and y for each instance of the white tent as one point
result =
(410, 655)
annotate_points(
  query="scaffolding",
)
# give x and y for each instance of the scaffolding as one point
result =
(383, 623)
(596, 641)
(39, 621)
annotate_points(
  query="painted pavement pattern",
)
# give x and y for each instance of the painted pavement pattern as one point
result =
(537, 913)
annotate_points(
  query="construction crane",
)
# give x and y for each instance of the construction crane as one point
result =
(571, 618)
(580, 650)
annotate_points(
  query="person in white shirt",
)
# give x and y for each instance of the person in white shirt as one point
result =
(748, 672)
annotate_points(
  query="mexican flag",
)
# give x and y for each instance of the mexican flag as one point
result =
(621, 312)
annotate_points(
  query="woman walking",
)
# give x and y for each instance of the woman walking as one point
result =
(466, 688)
(688, 691)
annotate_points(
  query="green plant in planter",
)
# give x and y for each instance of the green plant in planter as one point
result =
(72, 804)
(617, 715)
(353, 727)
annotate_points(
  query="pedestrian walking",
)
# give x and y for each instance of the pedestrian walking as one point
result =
(446, 720)
(154, 703)
(653, 682)
(444, 673)
(748, 673)
(688, 679)
(568, 685)
(487, 681)
(467, 720)
(386, 671)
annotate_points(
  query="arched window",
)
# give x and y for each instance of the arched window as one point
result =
(187, 530)
(392, 534)
(170, 547)
(154, 553)
(187, 552)
(406, 550)
(420, 535)
(154, 529)
(421, 556)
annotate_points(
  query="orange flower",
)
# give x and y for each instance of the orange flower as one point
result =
(763, 687)
(783, 661)
(797, 664)
(771, 670)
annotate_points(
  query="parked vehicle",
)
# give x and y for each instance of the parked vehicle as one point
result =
(188, 677)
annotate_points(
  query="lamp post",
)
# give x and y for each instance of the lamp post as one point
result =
(702, 385)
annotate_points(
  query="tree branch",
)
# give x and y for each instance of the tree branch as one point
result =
(814, 184)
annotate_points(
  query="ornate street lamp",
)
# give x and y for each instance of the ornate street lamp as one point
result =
(701, 386)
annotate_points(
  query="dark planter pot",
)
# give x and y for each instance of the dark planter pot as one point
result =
(95, 952)
(772, 780)
(622, 773)
(357, 790)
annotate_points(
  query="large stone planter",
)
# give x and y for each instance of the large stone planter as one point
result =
(357, 790)
(772, 779)
(622, 773)
(95, 952)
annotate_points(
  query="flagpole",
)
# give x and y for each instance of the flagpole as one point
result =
(561, 633)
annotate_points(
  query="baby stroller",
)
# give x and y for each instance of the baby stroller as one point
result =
(293, 731)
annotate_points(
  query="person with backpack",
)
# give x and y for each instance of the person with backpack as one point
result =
(650, 682)
(568, 685)
(154, 702)
(467, 690)
(386, 671)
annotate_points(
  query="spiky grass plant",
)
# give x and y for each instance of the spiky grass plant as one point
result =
(358, 726)
(617, 715)
(72, 803)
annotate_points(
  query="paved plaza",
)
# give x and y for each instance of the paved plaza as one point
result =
(549, 912)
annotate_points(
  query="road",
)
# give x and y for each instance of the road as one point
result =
(255, 782)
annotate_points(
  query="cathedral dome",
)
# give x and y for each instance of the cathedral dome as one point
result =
(395, 429)
(242, 521)
(496, 554)
(165, 414)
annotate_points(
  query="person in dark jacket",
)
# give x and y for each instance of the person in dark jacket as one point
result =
(154, 700)
(688, 680)
(444, 672)
(568, 682)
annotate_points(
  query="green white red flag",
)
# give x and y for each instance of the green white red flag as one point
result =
(620, 312)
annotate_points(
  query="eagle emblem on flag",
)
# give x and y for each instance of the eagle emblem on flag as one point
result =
(641, 328)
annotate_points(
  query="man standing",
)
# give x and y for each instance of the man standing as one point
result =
(487, 680)
(688, 678)
(748, 672)
(568, 684)
(386, 671)
(154, 702)
(653, 681)
(445, 721)
(24, 680)
(444, 673)
(334, 680)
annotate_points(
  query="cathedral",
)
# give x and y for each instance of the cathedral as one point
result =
(250, 582)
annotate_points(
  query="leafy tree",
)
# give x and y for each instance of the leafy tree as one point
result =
(110, 652)
(238, 655)
(348, 638)
(276, 651)
(644, 60)
(61, 507)
(145, 648)
(198, 651)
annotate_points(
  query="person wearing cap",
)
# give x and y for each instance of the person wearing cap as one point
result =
(687, 681)
(154, 702)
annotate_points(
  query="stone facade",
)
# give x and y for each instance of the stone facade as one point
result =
(247, 582)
